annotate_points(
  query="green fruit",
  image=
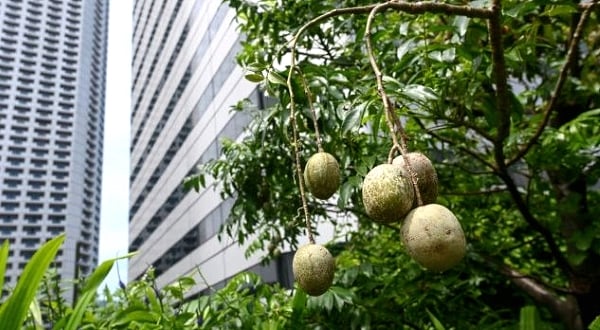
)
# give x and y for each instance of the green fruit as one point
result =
(427, 179)
(433, 237)
(322, 175)
(387, 193)
(313, 268)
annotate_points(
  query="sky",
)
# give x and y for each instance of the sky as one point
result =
(115, 181)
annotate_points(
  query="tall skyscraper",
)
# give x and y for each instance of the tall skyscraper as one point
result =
(52, 87)
(185, 80)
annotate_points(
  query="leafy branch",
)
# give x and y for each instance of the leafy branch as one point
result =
(562, 78)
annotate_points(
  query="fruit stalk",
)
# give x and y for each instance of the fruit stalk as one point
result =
(300, 176)
(401, 145)
(312, 112)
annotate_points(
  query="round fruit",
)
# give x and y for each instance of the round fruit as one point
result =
(427, 179)
(322, 175)
(313, 268)
(387, 193)
(433, 237)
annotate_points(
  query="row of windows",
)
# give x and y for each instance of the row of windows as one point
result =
(64, 85)
(33, 24)
(33, 207)
(139, 41)
(195, 237)
(213, 26)
(182, 134)
(36, 195)
(21, 140)
(150, 41)
(32, 218)
(157, 56)
(137, 16)
(19, 151)
(216, 84)
(49, 48)
(233, 128)
(41, 143)
(10, 230)
(224, 70)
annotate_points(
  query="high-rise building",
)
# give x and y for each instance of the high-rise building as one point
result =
(185, 80)
(52, 88)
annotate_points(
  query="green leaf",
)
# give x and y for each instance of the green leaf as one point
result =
(404, 48)
(352, 119)
(461, 23)
(560, 10)
(529, 318)
(3, 260)
(139, 316)
(16, 307)
(595, 325)
(298, 306)
(419, 93)
(276, 78)
(254, 77)
(36, 314)
(436, 323)
(89, 292)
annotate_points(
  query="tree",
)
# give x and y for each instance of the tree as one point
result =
(504, 97)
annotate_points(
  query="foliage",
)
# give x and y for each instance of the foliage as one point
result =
(16, 306)
(245, 302)
(505, 104)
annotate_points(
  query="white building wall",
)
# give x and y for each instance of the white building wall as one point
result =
(172, 230)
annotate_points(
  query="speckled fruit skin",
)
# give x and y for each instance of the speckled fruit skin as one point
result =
(322, 175)
(313, 268)
(433, 237)
(427, 177)
(387, 193)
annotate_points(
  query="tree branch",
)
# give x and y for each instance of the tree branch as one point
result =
(408, 7)
(562, 78)
(499, 67)
(566, 309)
(533, 222)
(476, 192)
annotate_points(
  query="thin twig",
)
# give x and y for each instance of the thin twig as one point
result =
(388, 106)
(562, 78)
(471, 153)
(296, 144)
(477, 192)
(312, 111)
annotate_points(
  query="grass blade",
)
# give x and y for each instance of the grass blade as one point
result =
(89, 292)
(529, 318)
(16, 307)
(3, 260)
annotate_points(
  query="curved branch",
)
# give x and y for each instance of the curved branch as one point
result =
(407, 7)
(544, 295)
(562, 78)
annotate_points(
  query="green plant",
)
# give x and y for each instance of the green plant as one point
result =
(16, 307)
(503, 98)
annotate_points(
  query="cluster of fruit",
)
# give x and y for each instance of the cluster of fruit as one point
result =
(430, 232)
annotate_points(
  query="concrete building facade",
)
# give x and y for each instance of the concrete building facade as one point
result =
(185, 81)
(52, 90)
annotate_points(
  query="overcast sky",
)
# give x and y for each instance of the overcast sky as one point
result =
(115, 181)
